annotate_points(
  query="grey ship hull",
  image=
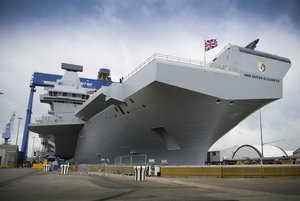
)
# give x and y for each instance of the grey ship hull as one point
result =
(171, 108)
(165, 123)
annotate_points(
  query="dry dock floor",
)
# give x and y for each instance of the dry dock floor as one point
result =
(31, 185)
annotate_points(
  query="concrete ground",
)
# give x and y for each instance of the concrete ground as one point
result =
(29, 184)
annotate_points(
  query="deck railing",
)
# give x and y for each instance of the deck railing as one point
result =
(165, 57)
(181, 60)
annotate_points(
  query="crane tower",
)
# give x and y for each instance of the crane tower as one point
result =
(9, 127)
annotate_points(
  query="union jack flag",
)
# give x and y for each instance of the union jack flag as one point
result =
(209, 44)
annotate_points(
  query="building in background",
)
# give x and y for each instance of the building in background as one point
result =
(215, 157)
(297, 152)
(254, 151)
(251, 154)
(8, 155)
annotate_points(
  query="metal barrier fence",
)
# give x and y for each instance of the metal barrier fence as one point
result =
(105, 168)
(131, 160)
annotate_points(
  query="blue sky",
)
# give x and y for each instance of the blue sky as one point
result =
(39, 35)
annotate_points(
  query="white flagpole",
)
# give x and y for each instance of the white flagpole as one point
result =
(204, 59)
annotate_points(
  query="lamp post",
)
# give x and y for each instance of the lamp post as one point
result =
(33, 146)
(261, 139)
(19, 118)
(99, 156)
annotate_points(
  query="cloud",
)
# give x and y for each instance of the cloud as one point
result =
(122, 34)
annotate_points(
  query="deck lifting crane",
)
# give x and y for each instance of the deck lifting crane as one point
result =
(9, 127)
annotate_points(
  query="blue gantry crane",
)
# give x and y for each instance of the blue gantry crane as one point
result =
(41, 80)
(9, 127)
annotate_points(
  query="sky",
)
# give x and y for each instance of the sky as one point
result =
(39, 35)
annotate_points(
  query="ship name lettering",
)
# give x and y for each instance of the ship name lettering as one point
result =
(261, 77)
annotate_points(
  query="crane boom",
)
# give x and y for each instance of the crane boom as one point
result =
(9, 127)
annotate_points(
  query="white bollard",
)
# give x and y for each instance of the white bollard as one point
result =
(46, 167)
(67, 168)
(136, 173)
(143, 173)
(140, 173)
(61, 169)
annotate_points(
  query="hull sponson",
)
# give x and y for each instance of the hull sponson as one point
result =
(65, 136)
(163, 122)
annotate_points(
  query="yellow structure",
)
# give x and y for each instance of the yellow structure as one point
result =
(37, 166)
(224, 171)
(73, 168)
(232, 171)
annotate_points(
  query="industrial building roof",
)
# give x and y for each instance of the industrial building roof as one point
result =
(254, 151)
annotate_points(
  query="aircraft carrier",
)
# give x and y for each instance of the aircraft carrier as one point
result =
(168, 109)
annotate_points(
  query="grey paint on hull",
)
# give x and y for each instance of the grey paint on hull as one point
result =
(192, 120)
(65, 136)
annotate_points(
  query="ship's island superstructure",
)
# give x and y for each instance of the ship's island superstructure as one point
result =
(169, 108)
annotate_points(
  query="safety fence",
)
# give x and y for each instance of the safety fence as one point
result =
(104, 168)
(225, 171)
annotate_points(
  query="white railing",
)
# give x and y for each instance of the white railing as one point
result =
(179, 59)
(223, 50)
(166, 57)
(215, 65)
